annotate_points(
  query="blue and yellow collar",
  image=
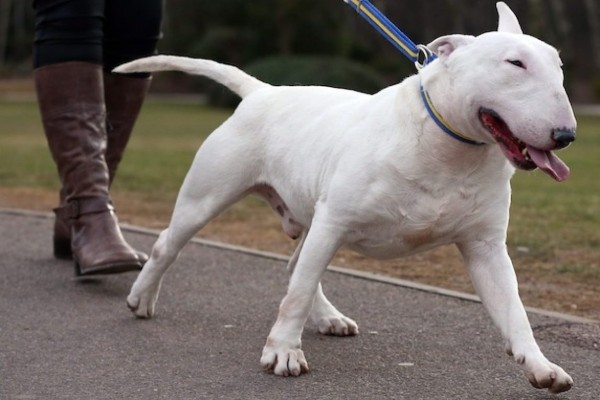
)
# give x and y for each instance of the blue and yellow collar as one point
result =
(445, 126)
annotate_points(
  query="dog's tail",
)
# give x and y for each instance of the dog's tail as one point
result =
(233, 78)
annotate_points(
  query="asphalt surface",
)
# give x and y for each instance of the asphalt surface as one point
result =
(63, 337)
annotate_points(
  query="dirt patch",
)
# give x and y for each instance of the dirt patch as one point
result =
(252, 224)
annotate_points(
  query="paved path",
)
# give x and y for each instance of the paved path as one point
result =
(68, 338)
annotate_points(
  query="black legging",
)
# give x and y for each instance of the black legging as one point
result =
(106, 32)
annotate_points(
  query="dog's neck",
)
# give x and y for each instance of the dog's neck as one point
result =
(448, 107)
(459, 159)
(442, 123)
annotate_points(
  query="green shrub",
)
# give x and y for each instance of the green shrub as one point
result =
(305, 70)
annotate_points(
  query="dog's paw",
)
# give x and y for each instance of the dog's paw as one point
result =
(283, 360)
(142, 304)
(543, 374)
(337, 325)
(330, 321)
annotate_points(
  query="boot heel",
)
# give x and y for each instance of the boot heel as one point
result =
(62, 248)
(77, 268)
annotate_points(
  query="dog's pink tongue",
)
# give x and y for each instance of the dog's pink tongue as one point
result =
(549, 163)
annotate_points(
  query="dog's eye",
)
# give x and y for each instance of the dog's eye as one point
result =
(517, 63)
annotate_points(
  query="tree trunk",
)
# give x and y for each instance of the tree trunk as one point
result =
(4, 26)
(594, 23)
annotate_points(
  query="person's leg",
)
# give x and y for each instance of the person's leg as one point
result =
(131, 31)
(68, 30)
(69, 85)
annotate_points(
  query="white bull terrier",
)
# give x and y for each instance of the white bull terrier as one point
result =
(420, 164)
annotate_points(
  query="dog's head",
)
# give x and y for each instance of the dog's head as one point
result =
(511, 84)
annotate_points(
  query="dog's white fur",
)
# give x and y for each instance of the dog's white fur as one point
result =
(375, 173)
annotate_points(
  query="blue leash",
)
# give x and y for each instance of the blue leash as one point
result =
(420, 55)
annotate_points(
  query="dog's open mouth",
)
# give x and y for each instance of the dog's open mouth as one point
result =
(519, 153)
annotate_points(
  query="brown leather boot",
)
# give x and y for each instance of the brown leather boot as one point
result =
(71, 100)
(63, 227)
(123, 96)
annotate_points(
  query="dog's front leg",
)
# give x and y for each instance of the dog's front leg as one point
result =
(494, 279)
(282, 353)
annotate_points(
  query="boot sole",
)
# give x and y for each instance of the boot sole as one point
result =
(62, 251)
(108, 269)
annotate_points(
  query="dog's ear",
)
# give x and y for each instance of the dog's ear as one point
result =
(507, 20)
(445, 45)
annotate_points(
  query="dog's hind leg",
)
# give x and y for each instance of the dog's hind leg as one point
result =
(328, 319)
(324, 315)
(216, 180)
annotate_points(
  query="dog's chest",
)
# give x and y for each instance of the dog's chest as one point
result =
(415, 222)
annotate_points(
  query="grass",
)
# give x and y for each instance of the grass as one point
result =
(543, 208)
(554, 234)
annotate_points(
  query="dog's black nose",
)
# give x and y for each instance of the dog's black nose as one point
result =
(563, 137)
